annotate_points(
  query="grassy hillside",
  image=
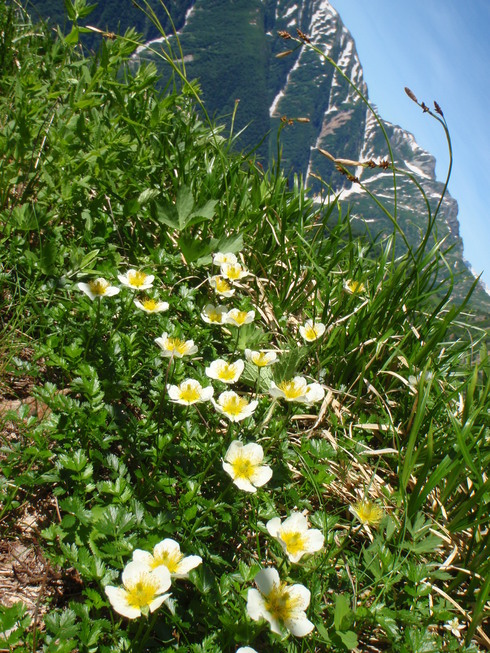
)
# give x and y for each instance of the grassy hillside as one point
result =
(226, 423)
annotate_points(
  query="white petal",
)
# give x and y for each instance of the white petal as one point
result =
(314, 392)
(266, 579)
(273, 526)
(295, 522)
(314, 540)
(261, 475)
(118, 598)
(185, 566)
(245, 485)
(234, 450)
(173, 392)
(144, 557)
(166, 546)
(255, 604)
(156, 603)
(301, 596)
(207, 393)
(253, 452)
(299, 625)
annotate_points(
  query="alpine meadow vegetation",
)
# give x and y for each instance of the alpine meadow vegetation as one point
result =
(227, 424)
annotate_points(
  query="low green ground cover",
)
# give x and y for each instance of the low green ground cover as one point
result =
(252, 429)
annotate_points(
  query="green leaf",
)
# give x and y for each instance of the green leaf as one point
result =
(342, 610)
(166, 213)
(349, 639)
(72, 37)
(184, 205)
(193, 248)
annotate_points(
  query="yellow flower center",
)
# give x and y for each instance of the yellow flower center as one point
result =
(294, 541)
(143, 592)
(136, 278)
(176, 344)
(368, 513)
(170, 559)
(98, 286)
(291, 389)
(222, 285)
(227, 372)
(279, 603)
(260, 359)
(213, 315)
(242, 467)
(234, 405)
(239, 317)
(190, 393)
(355, 286)
(149, 304)
(311, 332)
(233, 271)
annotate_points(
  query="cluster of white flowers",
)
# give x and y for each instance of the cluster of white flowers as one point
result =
(146, 579)
(133, 279)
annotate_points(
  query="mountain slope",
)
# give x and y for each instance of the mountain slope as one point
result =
(232, 48)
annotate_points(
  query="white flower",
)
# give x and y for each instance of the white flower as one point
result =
(224, 257)
(151, 305)
(233, 271)
(175, 346)
(166, 554)
(239, 318)
(354, 287)
(282, 605)
(455, 627)
(311, 330)
(221, 286)
(235, 408)
(226, 372)
(294, 535)
(136, 279)
(246, 649)
(261, 358)
(292, 390)
(98, 288)
(243, 462)
(142, 591)
(189, 392)
(214, 314)
(297, 389)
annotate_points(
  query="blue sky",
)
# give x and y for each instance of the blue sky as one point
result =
(441, 50)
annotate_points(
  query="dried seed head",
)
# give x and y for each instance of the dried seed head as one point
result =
(303, 36)
(371, 164)
(354, 180)
(411, 95)
(302, 120)
(384, 165)
(424, 107)
(284, 35)
(438, 109)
